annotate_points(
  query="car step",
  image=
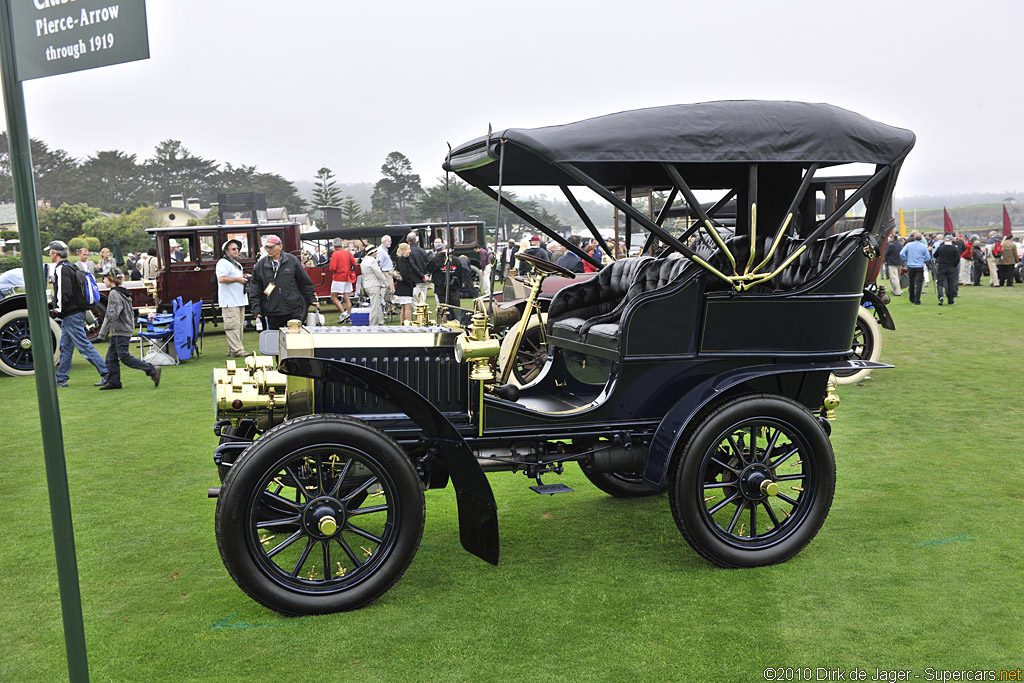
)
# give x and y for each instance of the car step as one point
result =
(551, 489)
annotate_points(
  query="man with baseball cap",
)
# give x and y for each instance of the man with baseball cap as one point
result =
(535, 250)
(70, 312)
(231, 296)
(279, 289)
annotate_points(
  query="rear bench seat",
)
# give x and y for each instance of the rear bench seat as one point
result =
(591, 312)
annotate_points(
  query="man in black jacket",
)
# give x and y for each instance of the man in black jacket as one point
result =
(418, 259)
(280, 289)
(70, 312)
(893, 263)
(569, 260)
(535, 250)
(446, 274)
(947, 256)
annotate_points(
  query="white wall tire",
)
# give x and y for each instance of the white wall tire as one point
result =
(15, 359)
(532, 355)
(867, 345)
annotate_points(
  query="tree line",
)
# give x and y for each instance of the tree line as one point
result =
(110, 195)
(116, 182)
(399, 198)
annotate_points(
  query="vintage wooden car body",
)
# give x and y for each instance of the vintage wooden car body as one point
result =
(704, 372)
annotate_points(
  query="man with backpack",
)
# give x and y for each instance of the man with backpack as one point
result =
(70, 302)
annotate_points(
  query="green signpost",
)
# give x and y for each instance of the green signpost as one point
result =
(59, 36)
(43, 38)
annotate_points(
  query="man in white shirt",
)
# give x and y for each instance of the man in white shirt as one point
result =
(231, 296)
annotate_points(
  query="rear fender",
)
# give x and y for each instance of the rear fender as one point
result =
(668, 437)
(881, 312)
(478, 513)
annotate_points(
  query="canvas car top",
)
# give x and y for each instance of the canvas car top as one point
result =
(710, 132)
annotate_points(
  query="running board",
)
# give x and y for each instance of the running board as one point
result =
(551, 489)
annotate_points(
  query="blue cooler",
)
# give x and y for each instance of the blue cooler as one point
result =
(361, 316)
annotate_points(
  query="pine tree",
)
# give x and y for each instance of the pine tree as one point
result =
(325, 191)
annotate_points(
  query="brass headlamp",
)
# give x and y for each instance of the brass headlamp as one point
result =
(476, 346)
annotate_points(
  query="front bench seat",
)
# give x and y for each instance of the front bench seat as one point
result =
(605, 330)
(572, 306)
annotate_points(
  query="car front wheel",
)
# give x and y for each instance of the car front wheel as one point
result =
(321, 514)
(755, 482)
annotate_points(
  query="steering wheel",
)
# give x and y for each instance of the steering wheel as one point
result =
(546, 266)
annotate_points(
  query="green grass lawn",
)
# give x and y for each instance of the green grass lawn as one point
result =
(918, 565)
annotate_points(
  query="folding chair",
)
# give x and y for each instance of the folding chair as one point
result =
(160, 338)
(198, 327)
(182, 331)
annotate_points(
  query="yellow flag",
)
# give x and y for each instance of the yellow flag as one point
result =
(903, 224)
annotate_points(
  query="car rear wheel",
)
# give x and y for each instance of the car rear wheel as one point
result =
(623, 485)
(755, 482)
(16, 356)
(867, 345)
(321, 514)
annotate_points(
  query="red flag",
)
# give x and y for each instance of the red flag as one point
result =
(947, 221)
(1007, 228)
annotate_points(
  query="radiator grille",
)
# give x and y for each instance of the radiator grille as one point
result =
(435, 375)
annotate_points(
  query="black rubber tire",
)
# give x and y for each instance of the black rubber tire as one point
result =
(295, 451)
(15, 360)
(623, 485)
(867, 345)
(695, 478)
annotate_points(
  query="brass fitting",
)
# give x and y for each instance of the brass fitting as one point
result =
(831, 401)
(421, 316)
(253, 389)
(476, 346)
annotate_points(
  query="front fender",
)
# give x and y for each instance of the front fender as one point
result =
(478, 513)
(884, 317)
(673, 426)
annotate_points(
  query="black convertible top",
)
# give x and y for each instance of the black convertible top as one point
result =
(614, 148)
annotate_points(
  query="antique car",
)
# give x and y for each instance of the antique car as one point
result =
(703, 372)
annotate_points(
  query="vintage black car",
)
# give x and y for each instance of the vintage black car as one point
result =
(704, 372)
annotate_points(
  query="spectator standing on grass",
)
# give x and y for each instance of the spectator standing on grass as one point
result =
(119, 325)
(418, 259)
(279, 289)
(915, 253)
(978, 256)
(376, 284)
(1007, 261)
(404, 277)
(343, 277)
(69, 309)
(964, 247)
(150, 265)
(231, 297)
(893, 263)
(106, 262)
(84, 263)
(947, 258)
(446, 274)
(991, 259)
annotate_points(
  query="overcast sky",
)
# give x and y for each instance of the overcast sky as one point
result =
(293, 86)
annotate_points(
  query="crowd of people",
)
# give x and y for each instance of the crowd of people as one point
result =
(952, 261)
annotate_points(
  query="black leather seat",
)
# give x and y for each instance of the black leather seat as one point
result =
(816, 259)
(574, 305)
(591, 312)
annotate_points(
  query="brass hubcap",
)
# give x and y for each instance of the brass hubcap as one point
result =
(328, 525)
(769, 488)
